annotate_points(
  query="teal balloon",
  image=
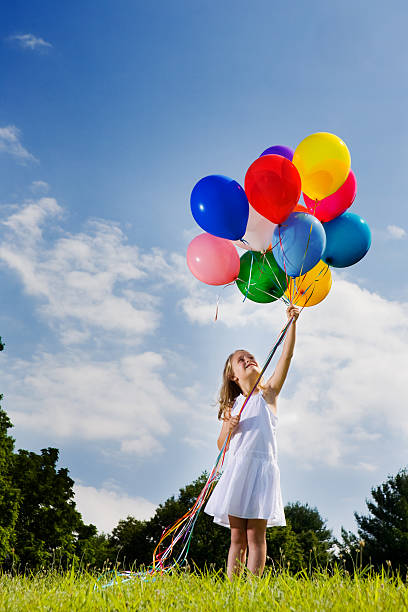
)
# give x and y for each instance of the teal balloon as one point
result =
(348, 238)
(260, 278)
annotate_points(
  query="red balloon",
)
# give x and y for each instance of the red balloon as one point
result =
(213, 260)
(272, 185)
(335, 204)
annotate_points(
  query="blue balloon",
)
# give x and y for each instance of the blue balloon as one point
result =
(348, 239)
(220, 206)
(298, 243)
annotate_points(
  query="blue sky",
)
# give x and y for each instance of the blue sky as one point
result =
(109, 114)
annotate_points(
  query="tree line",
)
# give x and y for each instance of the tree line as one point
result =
(40, 524)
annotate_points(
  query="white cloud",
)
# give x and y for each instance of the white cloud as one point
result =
(105, 507)
(94, 289)
(10, 143)
(84, 281)
(29, 41)
(143, 446)
(347, 374)
(396, 232)
(39, 187)
(71, 395)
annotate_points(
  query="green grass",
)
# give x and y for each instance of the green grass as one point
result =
(72, 590)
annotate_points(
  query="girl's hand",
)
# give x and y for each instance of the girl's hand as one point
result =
(233, 423)
(292, 311)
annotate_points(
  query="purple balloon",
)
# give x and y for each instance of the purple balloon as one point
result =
(279, 150)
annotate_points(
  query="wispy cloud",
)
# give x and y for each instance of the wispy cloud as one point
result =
(84, 281)
(94, 292)
(39, 187)
(10, 143)
(75, 395)
(30, 41)
(105, 507)
(394, 231)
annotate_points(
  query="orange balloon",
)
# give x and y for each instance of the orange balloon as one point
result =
(300, 208)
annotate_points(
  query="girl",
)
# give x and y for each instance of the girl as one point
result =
(247, 498)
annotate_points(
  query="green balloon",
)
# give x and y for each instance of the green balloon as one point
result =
(265, 282)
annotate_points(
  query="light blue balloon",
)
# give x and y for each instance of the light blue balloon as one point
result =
(298, 243)
(348, 239)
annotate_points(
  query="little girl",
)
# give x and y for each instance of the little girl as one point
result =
(247, 498)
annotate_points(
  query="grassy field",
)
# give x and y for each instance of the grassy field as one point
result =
(71, 591)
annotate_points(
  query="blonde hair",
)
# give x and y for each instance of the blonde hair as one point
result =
(229, 390)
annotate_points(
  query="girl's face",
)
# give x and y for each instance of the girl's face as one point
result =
(244, 366)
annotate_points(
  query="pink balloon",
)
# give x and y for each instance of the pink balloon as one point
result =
(335, 204)
(213, 260)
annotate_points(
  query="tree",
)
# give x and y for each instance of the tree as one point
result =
(134, 541)
(304, 542)
(314, 538)
(131, 543)
(9, 495)
(93, 549)
(48, 525)
(382, 535)
(283, 549)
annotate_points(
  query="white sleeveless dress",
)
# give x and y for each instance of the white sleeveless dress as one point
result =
(250, 484)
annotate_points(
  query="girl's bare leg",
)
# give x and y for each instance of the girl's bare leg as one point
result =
(238, 548)
(256, 538)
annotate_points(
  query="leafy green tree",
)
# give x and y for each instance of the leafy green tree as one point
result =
(131, 542)
(210, 542)
(305, 542)
(283, 549)
(134, 541)
(314, 539)
(383, 534)
(9, 495)
(48, 528)
(93, 549)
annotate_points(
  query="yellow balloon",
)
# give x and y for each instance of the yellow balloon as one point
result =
(323, 162)
(312, 287)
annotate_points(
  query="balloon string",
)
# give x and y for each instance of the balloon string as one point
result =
(307, 248)
(250, 276)
(219, 299)
(322, 274)
(277, 281)
(297, 292)
(284, 266)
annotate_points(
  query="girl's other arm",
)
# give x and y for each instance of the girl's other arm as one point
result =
(279, 376)
(228, 426)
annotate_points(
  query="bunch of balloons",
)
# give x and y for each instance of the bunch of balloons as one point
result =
(289, 246)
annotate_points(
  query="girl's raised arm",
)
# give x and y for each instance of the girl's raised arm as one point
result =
(279, 376)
